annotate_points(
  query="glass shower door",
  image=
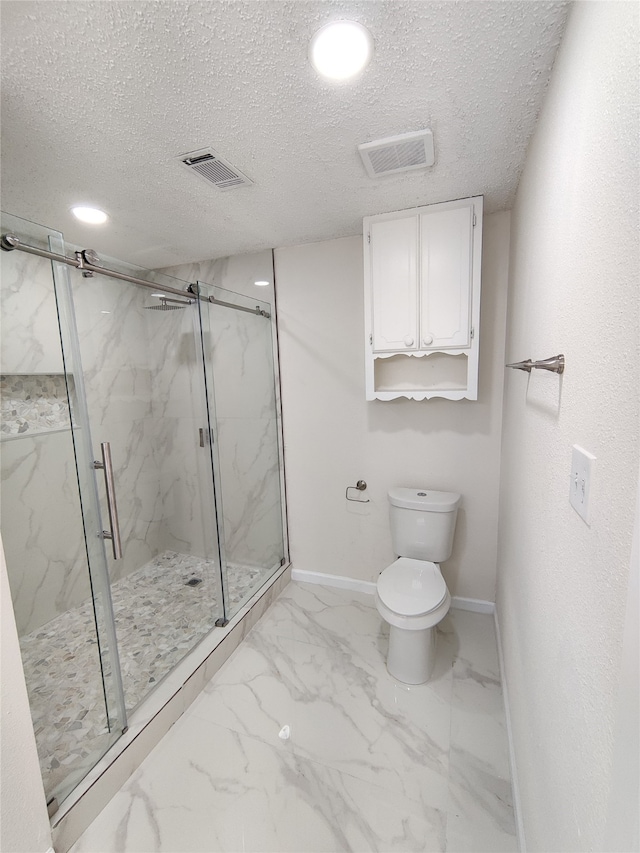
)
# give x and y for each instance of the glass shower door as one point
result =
(140, 389)
(59, 591)
(239, 359)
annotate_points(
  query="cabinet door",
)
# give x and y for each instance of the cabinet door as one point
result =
(394, 284)
(445, 289)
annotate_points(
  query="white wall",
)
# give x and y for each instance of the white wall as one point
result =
(333, 437)
(23, 820)
(562, 585)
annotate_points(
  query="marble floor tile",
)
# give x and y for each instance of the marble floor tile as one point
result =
(476, 649)
(338, 619)
(369, 764)
(480, 810)
(340, 711)
(206, 788)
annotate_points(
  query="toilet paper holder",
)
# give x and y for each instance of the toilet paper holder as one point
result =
(360, 486)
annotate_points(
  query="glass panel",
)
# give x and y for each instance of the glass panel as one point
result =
(144, 393)
(66, 634)
(239, 355)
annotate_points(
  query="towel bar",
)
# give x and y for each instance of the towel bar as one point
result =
(555, 364)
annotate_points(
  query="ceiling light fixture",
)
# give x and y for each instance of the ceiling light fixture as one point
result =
(262, 283)
(91, 215)
(341, 49)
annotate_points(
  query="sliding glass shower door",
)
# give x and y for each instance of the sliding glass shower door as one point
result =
(138, 375)
(59, 588)
(141, 459)
(241, 373)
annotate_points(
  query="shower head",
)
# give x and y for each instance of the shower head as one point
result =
(176, 304)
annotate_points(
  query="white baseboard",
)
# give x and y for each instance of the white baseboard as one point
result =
(476, 605)
(333, 580)
(517, 808)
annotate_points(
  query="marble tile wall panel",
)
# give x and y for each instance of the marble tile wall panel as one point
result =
(43, 538)
(236, 273)
(30, 341)
(118, 388)
(239, 348)
(179, 408)
(241, 352)
(249, 471)
(42, 528)
(145, 391)
(242, 359)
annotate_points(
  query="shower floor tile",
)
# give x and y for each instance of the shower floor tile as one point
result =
(369, 765)
(158, 620)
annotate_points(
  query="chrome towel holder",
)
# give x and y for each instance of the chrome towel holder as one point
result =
(554, 364)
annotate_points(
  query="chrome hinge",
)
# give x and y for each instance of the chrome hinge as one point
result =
(473, 331)
(368, 238)
(474, 220)
(371, 340)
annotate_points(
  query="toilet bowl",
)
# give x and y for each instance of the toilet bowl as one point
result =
(411, 594)
(412, 597)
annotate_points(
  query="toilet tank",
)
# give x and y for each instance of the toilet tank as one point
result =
(423, 523)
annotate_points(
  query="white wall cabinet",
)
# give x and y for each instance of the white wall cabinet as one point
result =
(422, 301)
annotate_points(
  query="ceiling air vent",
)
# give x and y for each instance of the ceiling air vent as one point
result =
(398, 153)
(208, 165)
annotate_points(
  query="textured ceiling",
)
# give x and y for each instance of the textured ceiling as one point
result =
(98, 99)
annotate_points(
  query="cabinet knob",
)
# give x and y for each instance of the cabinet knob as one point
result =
(427, 340)
(408, 341)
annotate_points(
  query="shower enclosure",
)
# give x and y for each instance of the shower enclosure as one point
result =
(141, 480)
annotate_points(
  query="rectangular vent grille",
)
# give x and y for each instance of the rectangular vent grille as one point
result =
(208, 165)
(395, 154)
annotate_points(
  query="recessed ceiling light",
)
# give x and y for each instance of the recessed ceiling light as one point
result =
(262, 283)
(341, 49)
(91, 215)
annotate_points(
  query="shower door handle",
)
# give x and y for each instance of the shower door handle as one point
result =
(114, 533)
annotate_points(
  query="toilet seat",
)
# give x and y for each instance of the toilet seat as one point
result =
(412, 588)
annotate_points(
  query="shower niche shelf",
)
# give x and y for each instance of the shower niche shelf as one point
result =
(422, 301)
(33, 404)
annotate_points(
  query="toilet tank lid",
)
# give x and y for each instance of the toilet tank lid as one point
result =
(426, 500)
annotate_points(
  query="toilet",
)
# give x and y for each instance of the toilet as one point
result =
(411, 594)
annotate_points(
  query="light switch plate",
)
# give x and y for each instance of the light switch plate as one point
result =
(582, 464)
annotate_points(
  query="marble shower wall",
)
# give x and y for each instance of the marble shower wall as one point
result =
(238, 348)
(145, 396)
(240, 351)
(179, 407)
(29, 313)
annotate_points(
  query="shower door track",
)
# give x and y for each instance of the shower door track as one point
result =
(82, 261)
